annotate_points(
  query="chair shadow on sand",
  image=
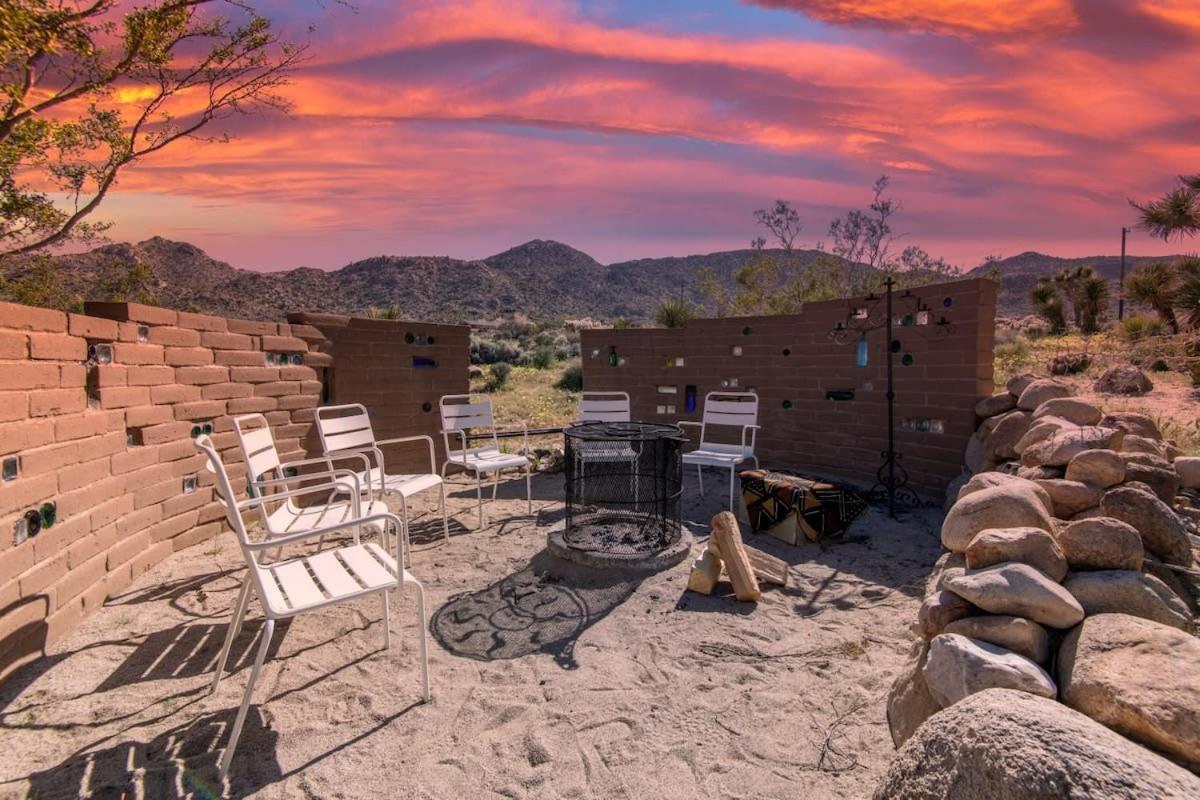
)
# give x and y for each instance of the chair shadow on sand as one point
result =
(543, 608)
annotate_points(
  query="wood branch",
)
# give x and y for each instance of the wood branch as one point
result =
(728, 537)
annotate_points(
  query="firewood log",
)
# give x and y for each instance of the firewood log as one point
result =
(706, 571)
(729, 543)
(767, 568)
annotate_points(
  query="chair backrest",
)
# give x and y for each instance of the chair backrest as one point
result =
(225, 493)
(262, 459)
(460, 413)
(732, 409)
(604, 407)
(346, 427)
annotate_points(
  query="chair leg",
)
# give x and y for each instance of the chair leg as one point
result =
(732, 473)
(495, 484)
(700, 478)
(528, 491)
(235, 625)
(479, 496)
(227, 756)
(387, 621)
(445, 520)
(422, 644)
(404, 542)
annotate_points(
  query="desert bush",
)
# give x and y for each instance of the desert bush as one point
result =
(571, 379)
(493, 351)
(499, 377)
(673, 313)
(1069, 364)
(1140, 326)
(517, 328)
(541, 358)
(564, 348)
(1012, 354)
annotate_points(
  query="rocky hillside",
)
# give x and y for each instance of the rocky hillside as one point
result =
(544, 279)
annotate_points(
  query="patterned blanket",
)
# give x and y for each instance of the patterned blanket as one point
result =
(821, 510)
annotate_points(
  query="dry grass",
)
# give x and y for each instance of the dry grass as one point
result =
(530, 397)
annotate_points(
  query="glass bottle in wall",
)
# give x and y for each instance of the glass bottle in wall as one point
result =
(860, 352)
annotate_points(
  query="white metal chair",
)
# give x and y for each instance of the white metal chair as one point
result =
(288, 587)
(346, 431)
(459, 416)
(604, 407)
(738, 410)
(262, 459)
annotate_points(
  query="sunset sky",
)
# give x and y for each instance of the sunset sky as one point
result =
(630, 128)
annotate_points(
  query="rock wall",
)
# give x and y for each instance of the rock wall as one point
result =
(1069, 573)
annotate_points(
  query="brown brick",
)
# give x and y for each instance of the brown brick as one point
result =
(133, 459)
(213, 512)
(26, 375)
(174, 393)
(43, 574)
(123, 396)
(14, 405)
(205, 409)
(72, 375)
(202, 375)
(25, 434)
(139, 520)
(143, 561)
(28, 318)
(155, 493)
(318, 359)
(158, 434)
(63, 621)
(79, 578)
(284, 344)
(201, 322)
(188, 356)
(88, 546)
(173, 451)
(276, 388)
(92, 327)
(196, 535)
(299, 401)
(226, 341)
(77, 475)
(104, 445)
(57, 347)
(40, 460)
(132, 312)
(91, 498)
(14, 345)
(252, 405)
(307, 332)
(137, 353)
(118, 579)
(225, 391)
(79, 426)
(143, 416)
(174, 337)
(45, 402)
(56, 538)
(172, 526)
(298, 373)
(110, 375)
(123, 551)
(239, 358)
(150, 375)
(15, 560)
(252, 327)
(259, 374)
(188, 465)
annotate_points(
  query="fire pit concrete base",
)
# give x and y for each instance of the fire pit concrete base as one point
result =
(653, 561)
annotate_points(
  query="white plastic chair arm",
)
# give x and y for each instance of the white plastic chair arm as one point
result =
(462, 435)
(254, 502)
(314, 533)
(754, 435)
(328, 458)
(403, 439)
(361, 452)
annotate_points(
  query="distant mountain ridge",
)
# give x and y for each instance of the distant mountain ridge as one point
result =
(541, 278)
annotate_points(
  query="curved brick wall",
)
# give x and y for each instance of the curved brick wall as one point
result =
(111, 444)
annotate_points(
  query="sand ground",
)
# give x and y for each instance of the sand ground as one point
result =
(547, 682)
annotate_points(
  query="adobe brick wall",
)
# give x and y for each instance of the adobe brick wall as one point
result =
(375, 367)
(843, 439)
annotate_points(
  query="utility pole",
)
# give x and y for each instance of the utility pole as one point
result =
(1121, 288)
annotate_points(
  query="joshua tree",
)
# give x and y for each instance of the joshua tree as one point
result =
(1187, 299)
(1175, 214)
(1156, 285)
(673, 313)
(1048, 305)
(1093, 302)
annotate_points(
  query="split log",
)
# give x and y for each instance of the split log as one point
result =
(728, 538)
(706, 571)
(767, 568)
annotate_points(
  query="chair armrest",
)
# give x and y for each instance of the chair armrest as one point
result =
(754, 434)
(684, 422)
(361, 453)
(313, 533)
(341, 473)
(406, 439)
(254, 502)
(462, 435)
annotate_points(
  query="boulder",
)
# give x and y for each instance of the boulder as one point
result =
(1040, 473)
(1089, 513)
(1018, 590)
(997, 404)
(1060, 447)
(947, 565)
(1040, 429)
(1132, 422)
(1070, 497)
(1183, 585)
(1101, 543)
(1071, 409)
(996, 507)
(909, 701)
(957, 667)
(1123, 379)
(1187, 468)
(1132, 443)
(1000, 444)
(940, 609)
(1100, 468)
(973, 457)
(1023, 636)
(1039, 391)
(1033, 546)
(986, 480)
(1122, 591)
(1018, 383)
(1006, 745)
(1139, 678)
(1163, 532)
(1158, 476)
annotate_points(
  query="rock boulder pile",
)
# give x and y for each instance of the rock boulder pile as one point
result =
(1071, 575)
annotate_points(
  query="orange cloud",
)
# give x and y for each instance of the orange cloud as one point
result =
(943, 16)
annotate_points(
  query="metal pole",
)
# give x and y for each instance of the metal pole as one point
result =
(1121, 288)
(891, 396)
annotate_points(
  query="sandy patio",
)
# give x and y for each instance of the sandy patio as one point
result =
(547, 681)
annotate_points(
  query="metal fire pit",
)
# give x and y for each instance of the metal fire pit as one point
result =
(624, 481)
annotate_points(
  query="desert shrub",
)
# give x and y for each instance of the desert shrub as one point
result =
(500, 373)
(565, 348)
(1012, 354)
(673, 313)
(493, 351)
(621, 323)
(1069, 363)
(517, 328)
(1140, 326)
(572, 379)
(541, 358)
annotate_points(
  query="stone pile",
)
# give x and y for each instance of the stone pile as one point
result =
(1069, 575)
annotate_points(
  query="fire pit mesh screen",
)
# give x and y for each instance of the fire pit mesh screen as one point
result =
(624, 482)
